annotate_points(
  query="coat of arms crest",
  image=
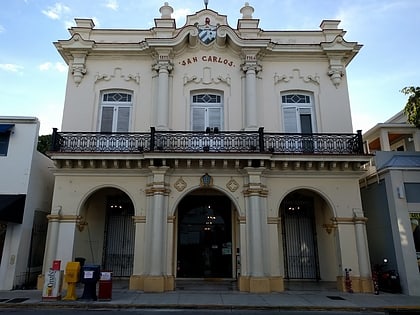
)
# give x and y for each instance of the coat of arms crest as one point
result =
(207, 32)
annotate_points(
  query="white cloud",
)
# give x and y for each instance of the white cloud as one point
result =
(55, 12)
(112, 4)
(10, 67)
(58, 66)
(2, 29)
(180, 14)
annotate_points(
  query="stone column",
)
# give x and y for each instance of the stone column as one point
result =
(156, 231)
(251, 68)
(51, 242)
(136, 279)
(163, 67)
(256, 220)
(362, 250)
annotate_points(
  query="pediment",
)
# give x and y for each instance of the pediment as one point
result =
(199, 18)
(340, 44)
(76, 42)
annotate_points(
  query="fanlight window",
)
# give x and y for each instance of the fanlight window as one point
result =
(298, 114)
(206, 112)
(115, 112)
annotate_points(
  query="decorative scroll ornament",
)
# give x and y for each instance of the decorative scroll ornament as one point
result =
(117, 73)
(180, 184)
(207, 32)
(206, 180)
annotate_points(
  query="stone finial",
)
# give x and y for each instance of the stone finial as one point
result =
(166, 11)
(247, 11)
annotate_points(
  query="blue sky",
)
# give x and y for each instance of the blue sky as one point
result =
(33, 75)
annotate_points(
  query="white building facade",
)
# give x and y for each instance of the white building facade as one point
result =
(208, 151)
(25, 200)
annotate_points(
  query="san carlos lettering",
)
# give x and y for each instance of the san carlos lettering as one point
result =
(208, 59)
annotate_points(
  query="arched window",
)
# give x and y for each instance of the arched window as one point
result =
(115, 111)
(206, 111)
(298, 113)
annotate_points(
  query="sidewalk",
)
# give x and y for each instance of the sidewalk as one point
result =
(182, 299)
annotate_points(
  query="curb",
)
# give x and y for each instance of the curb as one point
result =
(106, 305)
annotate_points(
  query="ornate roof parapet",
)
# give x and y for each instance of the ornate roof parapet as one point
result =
(165, 25)
(248, 26)
(83, 27)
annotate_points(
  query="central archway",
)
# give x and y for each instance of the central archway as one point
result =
(204, 248)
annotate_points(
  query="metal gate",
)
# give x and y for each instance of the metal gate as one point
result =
(299, 238)
(119, 237)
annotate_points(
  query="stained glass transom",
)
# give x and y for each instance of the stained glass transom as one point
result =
(207, 98)
(296, 99)
(117, 97)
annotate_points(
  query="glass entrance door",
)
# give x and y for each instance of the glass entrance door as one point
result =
(204, 237)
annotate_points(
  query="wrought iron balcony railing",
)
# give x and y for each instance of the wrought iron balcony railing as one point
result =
(214, 141)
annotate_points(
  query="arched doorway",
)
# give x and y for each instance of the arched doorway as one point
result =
(299, 237)
(106, 236)
(119, 233)
(204, 248)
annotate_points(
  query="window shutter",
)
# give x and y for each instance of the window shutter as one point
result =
(107, 118)
(290, 119)
(215, 117)
(123, 119)
(198, 119)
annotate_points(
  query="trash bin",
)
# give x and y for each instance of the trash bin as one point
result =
(105, 286)
(90, 277)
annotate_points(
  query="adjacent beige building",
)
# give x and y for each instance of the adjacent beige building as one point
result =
(209, 152)
(390, 197)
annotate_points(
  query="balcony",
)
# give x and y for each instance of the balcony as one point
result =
(210, 141)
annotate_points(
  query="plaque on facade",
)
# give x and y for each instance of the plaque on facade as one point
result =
(207, 32)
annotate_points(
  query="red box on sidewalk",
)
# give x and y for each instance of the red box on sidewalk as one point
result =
(105, 286)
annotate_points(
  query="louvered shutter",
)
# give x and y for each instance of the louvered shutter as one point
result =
(107, 118)
(215, 117)
(198, 122)
(123, 119)
(290, 119)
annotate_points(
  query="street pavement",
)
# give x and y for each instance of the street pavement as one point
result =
(209, 298)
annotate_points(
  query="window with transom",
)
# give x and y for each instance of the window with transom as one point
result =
(298, 113)
(116, 109)
(206, 111)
